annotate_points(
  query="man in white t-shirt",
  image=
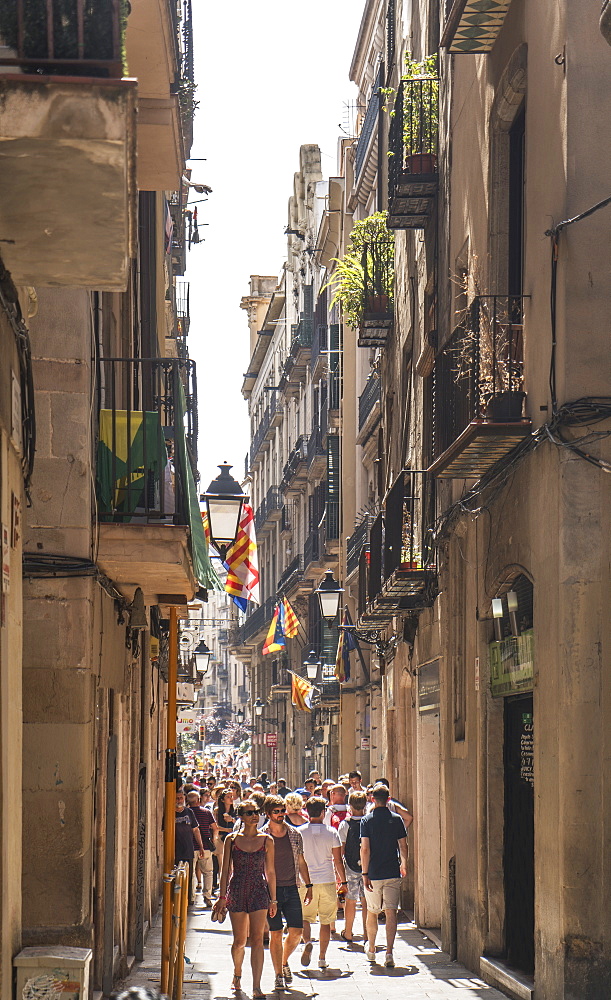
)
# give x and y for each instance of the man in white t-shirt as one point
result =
(393, 805)
(337, 810)
(323, 853)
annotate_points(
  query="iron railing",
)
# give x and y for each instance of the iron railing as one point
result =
(414, 132)
(369, 123)
(183, 315)
(296, 457)
(147, 432)
(335, 389)
(256, 621)
(292, 573)
(481, 362)
(319, 342)
(302, 334)
(374, 576)
(358, 540)
(378, 260)
(66, 37)
(332, 515)
(368, 398)
(271, 503)
(286, 518)
(408, 518)
(259, 435)
(311, 549)
(315, 445)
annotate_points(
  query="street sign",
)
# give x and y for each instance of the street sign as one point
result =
(271, 739)
(365, 743)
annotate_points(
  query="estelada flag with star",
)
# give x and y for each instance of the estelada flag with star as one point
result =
(275, 636)
(301, 692)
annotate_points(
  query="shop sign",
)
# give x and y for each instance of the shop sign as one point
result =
(512, 664)
(271, 740)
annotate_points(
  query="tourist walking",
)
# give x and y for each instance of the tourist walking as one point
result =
(383, 841)
(295, 816)
(323, 853)
(290, 866)
(350, 835)
(247, 893)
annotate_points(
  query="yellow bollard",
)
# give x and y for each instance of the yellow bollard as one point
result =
(182, 933)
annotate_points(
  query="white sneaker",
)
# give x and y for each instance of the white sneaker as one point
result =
(389, 962)
(370, 955)
(322, 963)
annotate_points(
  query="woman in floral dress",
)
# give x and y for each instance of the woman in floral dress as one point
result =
(247, 892)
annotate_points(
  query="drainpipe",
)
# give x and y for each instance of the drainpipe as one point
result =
(169, 810)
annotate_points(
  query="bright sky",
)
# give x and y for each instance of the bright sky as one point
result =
(270, 76)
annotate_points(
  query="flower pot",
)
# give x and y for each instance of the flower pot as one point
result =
(377, 305)
(504, 407)
(421, 163)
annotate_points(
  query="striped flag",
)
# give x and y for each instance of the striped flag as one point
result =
(275, 636)
(291, 621)
(301, 692)
(242, 566)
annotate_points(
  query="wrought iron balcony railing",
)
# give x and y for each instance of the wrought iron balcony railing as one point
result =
(297, 456)
(478, 379)
(292, 574)
(378, 259)
(315, 446)
(358, 540)
(65, 37)
(147, 439)
(368, 398)
(183, 315)
(256, 622)
(370, 122)
(400, 572)
(259, 436)
(269, 508)
(311, 549)
(319, 346)
(413, 153)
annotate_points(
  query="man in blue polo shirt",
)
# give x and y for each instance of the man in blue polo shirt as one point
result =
(383, 840)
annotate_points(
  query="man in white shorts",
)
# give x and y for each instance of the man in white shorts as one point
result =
(383, 840)
(322, 850)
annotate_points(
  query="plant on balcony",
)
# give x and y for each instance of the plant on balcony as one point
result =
(363, 278)
(493, 346)
(420, 109)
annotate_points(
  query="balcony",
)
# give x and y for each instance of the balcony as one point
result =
(316, 454)
(311, 549)
(259, 438)
(413, 179)
(301, 347)
(365, 159)
(294, 473)
(150, 531)
(286, 521)
(478, 392)
(256, 624)
(401, 572)
(276, 412)
(269, 511)
(319, 355)
(159, 48)
(68, 139)
(369, 408)
(357, 542)
(473, 26)
(378, 273)
(292, 581)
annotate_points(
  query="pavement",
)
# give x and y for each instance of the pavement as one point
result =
(422, 969)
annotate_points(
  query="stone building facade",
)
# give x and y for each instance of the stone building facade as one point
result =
(111, 536)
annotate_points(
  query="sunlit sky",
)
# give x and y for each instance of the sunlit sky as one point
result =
(270, 77)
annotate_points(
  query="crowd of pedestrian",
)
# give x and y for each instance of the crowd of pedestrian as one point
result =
(278, 860)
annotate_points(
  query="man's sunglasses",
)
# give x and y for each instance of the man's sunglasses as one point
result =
(250, 812)
(278, 811)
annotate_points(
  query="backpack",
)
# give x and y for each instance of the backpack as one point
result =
(352, 847)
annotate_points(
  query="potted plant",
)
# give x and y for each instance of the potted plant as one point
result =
(363, 278)
(418, 105)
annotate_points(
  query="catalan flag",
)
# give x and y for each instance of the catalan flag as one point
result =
(275, 636)
(242, 567)
(301, 692)
(291, 621)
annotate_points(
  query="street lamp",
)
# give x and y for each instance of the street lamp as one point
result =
(329, 594)
(202, 656)
(311, 665)
(259, 706)
(223, 498)
(239, 716)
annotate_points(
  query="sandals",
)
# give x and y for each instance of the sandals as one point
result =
(235, 984)
(346, 939)
(258, 995)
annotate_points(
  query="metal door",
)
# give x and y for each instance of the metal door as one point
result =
(519, 868)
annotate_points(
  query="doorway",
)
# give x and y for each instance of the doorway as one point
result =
(518, 852)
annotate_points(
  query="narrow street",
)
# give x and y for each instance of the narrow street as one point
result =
(422, 970)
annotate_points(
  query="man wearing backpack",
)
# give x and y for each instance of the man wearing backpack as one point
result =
(350, 836)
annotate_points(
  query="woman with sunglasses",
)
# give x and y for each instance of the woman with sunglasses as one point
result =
(247, 893)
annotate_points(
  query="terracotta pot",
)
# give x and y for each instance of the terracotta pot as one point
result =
(421, 163)
(505, 407)
(377, 305)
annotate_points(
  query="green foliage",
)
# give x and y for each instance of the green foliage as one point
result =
(420, 105)
(366, 269)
